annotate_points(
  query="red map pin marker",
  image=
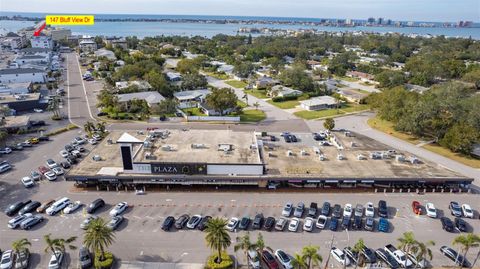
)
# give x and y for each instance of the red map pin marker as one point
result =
(39, 29)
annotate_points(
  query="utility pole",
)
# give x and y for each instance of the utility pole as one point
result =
(329, 253)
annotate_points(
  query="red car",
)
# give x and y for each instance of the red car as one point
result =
(269, 260)
(43, 170)
(417, 208)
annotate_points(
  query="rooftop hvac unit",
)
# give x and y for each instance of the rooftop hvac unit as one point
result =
(225, 147)
(167, 148)
(340, 157)
(147, 144)
(198, 146)
(322, 157)
(400, 158)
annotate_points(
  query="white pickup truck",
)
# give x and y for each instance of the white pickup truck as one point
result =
(398, 255)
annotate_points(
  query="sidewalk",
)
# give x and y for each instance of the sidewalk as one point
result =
(159, 265)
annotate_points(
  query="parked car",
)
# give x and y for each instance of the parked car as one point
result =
(312, 210)
(168, 223)
(50, 175)
(293, 225)
(357, 223)
(351, 255)
(253, 260)
(43, 170)
(58, 206)
(87, 221)
(417, 208)
(95, 205)
(15, 222)
(369, 210)
(308, 224)
(118, 209)
(337, 211)
(333, 224)
(51, 163)
(447, 224)
(284, 259)
(65, 165)
(457, 258)
(400, 257)
(326, 209)
(56, 260)
(386, 258)
(467, 211)
(359, 210)
(383, 225)
(280, 224)
(203, 223)
(35, 175)
(44, 206)
(5, 166)
(244, 223)
(29, 222)
(232, 224)
(269, 260)
(345, 222)
(72, 207)
(181, 221)
(22, 259)
(461, 225)
(6, 150)
(64, 153)
(369, 224)
(269, 223)
(298, 213)
(382, 209)
(369, 255)
(194, 221)
(321, 221)
(115, 222)
(85, 258)
(28, 182)
(431, 210)
(6, 262)
(257, 221)
(30, 207)
(58, 171)
(339, 256)
(287, 209)
(455, 209)
(15, 207)
(347, 210)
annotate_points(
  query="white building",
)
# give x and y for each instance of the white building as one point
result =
(174, 76)
(188, 99)
(44, 42)
(87, 45)
(318, 103)
(140, 84)
(22, 75)
(282, 91)
(14, 41)
(152, 98)
(60, 34)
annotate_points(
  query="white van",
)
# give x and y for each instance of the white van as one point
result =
(253, 259)
(58, 206)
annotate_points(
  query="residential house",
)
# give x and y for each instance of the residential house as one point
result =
(365, 77)
(141, 85)
(265, 82)
(22, 75)
(32, 59)
(60, 34)
(351, 95)
(41, 41)
(36, 51)
(174, 76)
(15, 88)
(152, 97)
(282, 91)
(319, 103)
(416, 88)
(110, 55)
(205, 108)
(288, 59)
(189, 99)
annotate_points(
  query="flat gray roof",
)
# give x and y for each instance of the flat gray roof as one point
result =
(10, 71)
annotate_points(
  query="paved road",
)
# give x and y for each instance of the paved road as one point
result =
(358, 123)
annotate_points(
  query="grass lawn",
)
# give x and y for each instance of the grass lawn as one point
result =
(261, 94)
(353, 107)
(289, 104)
(236, 83)
(387, 127)
(252, 115)
(194, 111)
(466, 160)
(220, 76)
(309, 115)
(241, 104)
(349, 79)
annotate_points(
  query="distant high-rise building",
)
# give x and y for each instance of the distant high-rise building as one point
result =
(371, 20)
(410, 23)
(380, 21)
(389, 22)
(348, 21)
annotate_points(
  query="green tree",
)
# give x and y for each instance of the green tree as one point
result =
(466, 242)
(460, 138)
(98, 237)
(217, 237)
(256, 105)
(167, 106)
(188, 66)
(390, 79)
(21, 245)
(3, 137)
(192, 81)
(297, 79)
(358, 248)
(422, 251)
(222, 99)
(311, 256)
(58, 244)
(89, 128)
(159, 83)
(243, 69)
(260, 242)
(298, 261)
(329, 124)
(244, 243)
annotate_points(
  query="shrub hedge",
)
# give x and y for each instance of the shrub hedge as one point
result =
(105, 264)
(226, 263)
(284, 98)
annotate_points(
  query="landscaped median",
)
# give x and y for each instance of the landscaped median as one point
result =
(387, 127)
(62, 130)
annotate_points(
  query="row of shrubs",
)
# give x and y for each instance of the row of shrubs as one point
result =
(62, 130)
(284, 98)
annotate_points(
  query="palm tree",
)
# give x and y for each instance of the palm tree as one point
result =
(358, 247)
(244, 244)
(21, 245)
(98, 237)
(422, 251)
(256, 105)
(58, 244)
(466, 242)
(245, 96)
(260, 242)
(310, 254)
(100, 127)
(298, 261)
(89, 127)
(217, 237)
(407, 241)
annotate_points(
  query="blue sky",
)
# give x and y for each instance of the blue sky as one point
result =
(427, 10)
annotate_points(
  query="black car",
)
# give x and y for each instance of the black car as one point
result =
(333, 224)
(447, 224)
(455, 257)
(382, 209)
(203, 223)
(326, 209)
(312, 210)
(461, 225)
(257, 221)
(65, 165)
(244, 223)
(43, 138)
(269, 223)
(369, 224)
(37, 123)
(287, 138)
(98, 203)
(84, 258)
(317, 137)
(273, 138)
(387, 258)
(69, 148)
(345, 222)
(293, 138)
(369, 255)
(351, 254)
(455, 209)
(14, 208)
(71, 160)
(30, 222)
(357, 223)
(30, 207)
(168, 223)
(181, 221)
(337, 211)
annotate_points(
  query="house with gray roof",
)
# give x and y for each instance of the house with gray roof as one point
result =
(319, 103)
(152, 98)
(283, 91)
(188, 99)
